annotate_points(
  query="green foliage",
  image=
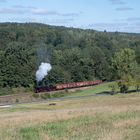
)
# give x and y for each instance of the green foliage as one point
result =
(56, 75)
(137, 79)
(125, 66)
(123, 87)
(53, 95)
(35, 95)
(75, 54)
(125, 62)
(17, 100)
(102, 124)
(46, 96)
(29, 133)
(6, 91)
(114, 87)
(16, 66)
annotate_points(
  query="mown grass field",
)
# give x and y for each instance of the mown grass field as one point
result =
(109, 117)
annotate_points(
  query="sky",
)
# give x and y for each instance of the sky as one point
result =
(109, 15)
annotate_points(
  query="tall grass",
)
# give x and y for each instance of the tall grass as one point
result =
(98, 127)
(96, 118)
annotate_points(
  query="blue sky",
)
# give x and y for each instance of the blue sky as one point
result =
(110, 15)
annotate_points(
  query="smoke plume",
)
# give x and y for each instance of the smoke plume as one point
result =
(42, 71)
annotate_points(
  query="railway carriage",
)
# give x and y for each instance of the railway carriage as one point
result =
(66, 86)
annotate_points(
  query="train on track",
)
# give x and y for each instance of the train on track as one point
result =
(66, 86)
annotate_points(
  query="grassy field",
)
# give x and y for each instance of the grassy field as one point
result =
(80, 92)
(109, 117)
(21, 97)
(103, 88)
(93, 90)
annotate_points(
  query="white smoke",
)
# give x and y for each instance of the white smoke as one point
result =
(42, 71)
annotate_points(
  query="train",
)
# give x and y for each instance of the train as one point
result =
(66, 86)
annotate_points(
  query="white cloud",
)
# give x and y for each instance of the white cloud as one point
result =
(11, 11)
(3, 1)
(124, 9)
(19, 9)
(117, 2)
(133, 19)
(41, 11)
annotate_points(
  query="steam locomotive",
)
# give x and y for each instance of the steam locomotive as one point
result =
(66, 86)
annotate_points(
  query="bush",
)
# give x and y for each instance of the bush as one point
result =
(17, 100)
(58, 94)
(113, 87)
(123, 88)
(6, 91)
(46, 96)
(35, 95)
(53, 95)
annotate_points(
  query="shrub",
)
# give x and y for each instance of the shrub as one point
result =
(35, 95)
(46, 96)
(17, 100)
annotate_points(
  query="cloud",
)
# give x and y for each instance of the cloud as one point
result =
(117, 2)
(133, 19)
(107, 24)
(3, 1)
(71, 14)
(18, 6)
(34, 14)
(50, 17)
(124, 9)
(112, 26)
(138, 25)
(15, 9)
(11, 11)
(123, 26)
(19, 9)
(23, 20)
(41, 11)
(60, 21)
(135, 28)
(57, 21)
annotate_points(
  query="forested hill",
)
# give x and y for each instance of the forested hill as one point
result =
(75, 54)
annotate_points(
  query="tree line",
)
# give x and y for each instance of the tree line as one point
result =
(75, 55)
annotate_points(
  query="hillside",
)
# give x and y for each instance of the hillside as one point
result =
(75, 54)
